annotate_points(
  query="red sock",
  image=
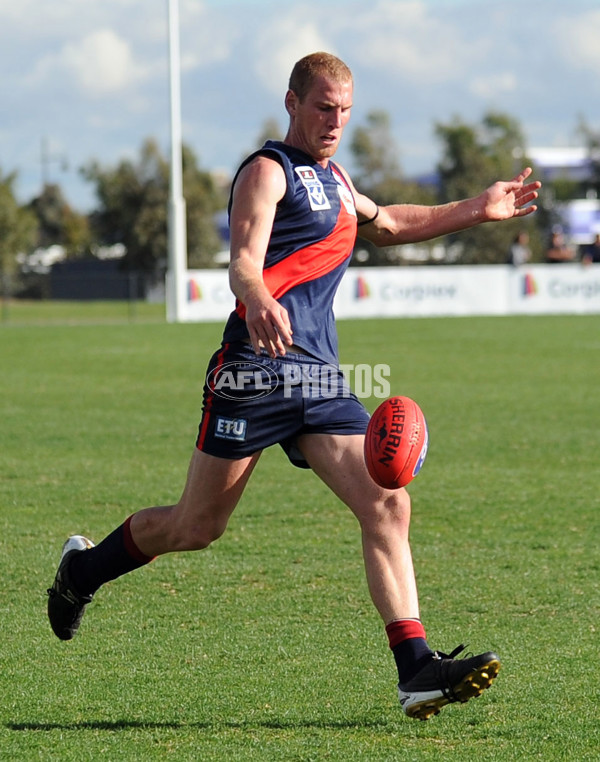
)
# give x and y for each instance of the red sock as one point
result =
(130, 545)
(403, 629)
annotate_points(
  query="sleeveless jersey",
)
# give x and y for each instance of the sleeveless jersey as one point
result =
(311, 243)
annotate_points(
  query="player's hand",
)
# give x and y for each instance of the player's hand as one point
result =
(269, 327)
(505, 200)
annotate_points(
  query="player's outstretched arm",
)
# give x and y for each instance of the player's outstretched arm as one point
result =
(410, 223)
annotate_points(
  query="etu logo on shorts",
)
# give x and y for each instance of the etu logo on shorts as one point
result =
(231, 428)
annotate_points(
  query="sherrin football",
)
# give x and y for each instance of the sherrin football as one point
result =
(396, 442)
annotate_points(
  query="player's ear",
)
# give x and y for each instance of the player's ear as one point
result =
(291, 102)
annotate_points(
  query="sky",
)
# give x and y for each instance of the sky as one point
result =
(88, 81)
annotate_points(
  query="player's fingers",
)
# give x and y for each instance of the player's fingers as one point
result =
(522, 211)
(525, 198)
(282, 339)
(271, 331)
(282, 330)
(523, 175)
(530, 187)
(285, 329)
(271, 340)
(255, 340)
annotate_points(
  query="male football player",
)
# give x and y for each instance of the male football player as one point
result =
(294, 215)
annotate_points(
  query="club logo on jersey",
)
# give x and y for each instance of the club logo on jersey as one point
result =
(231, 428)
(314, 187)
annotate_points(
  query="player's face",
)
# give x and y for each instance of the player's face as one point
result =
(317, 122)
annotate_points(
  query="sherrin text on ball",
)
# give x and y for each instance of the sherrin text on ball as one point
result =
(396, 442)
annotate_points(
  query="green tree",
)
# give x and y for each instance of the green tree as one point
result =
(204, 197)
(591, 137)
(269, 131)
(133, 208)
(17, 226)
(375, 153)
(378, 174)
(58, 223)
(474, 157)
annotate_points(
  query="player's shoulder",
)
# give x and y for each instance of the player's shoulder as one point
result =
(261, 170)
(341, 171)
(346, 175)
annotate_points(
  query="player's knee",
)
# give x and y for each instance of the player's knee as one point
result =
(399, 504)
(199, 535)
(204, 534)
(391, 513)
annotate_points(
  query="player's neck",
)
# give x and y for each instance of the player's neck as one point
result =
(295, 142)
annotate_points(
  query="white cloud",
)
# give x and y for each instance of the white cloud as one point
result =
(280, 44)
(577, 40)
(494, 85)
(100, 63)
(412, 40)
(93, 76)
(203, 38)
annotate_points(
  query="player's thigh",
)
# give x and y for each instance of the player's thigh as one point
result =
(339, 461)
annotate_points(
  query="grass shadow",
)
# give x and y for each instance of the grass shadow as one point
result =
(272, 724)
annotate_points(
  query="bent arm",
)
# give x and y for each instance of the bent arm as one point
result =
(258, 189)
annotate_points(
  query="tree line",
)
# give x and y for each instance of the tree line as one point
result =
(132, 197)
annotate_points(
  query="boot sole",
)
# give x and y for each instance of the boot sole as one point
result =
(471, 686)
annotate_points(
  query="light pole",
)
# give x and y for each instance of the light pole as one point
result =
(47, 158)
(177, 254)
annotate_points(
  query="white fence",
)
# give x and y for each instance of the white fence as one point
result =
(428, 291)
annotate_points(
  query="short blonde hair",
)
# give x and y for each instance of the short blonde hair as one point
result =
(314, 65)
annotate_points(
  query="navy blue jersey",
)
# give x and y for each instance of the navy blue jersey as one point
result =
(311, 243)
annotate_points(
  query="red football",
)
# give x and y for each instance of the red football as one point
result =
(396, 442)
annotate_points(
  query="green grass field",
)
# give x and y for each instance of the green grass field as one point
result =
(266, 646)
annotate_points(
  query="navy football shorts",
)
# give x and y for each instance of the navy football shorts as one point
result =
(252, 402)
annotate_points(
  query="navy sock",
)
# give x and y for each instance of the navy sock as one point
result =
(116, 555)
(410, 656)
(409, 646)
